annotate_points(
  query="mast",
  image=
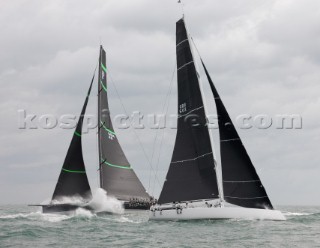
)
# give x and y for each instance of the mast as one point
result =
(99, 118)
(191, 175)
(73, 180)
(116, 174)
(219, 182)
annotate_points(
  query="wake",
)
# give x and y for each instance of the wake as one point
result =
(296, 214)
(100, 202)
(36, 216)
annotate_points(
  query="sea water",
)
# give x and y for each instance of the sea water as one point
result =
(23, 226)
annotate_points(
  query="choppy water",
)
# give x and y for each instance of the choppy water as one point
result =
(22, 226)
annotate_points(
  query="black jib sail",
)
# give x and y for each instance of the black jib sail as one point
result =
(191, 174)
(116, 175)
(73, 180)
(241, 183)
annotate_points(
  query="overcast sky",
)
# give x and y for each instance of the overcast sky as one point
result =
(263, 55)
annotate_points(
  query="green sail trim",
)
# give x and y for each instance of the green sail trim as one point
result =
(103, 67)
(117, 166)
(105, 128)
(76, 133)
(104, 87)
(73, 171)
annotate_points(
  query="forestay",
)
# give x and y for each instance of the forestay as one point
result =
(73, 180)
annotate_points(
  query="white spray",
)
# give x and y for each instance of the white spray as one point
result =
(101, 202)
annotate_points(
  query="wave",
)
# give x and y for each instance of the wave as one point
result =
(124, 219)
(36, 216)
(296, 214)
(101, 202)
(79, 213)
(16, 216)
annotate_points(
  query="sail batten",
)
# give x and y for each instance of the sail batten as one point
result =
(191, 175)
(192, 159)
(116, 174)
(241, 183)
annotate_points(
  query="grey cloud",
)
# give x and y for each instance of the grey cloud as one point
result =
(263, 56)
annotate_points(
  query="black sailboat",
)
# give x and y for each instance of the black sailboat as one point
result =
(116, 175)
(191, 173)
(193, 188)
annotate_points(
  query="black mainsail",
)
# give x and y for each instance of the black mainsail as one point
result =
(241, 183)
(73, 180)
(116, 175)
(191, 174)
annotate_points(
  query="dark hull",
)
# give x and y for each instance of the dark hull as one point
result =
(61, 208)
(69, 208)
(130, 206)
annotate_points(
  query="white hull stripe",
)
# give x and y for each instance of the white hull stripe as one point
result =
(191, 159)
(190, 111)
(185, 65)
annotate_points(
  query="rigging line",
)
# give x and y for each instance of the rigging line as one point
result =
(182, 6)
(97, 151)
(163, 132)
(195, 47)
(218, 169)
(98, 139)
(167, 98)
(158, 161)
(137, 136)
(191, 159)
